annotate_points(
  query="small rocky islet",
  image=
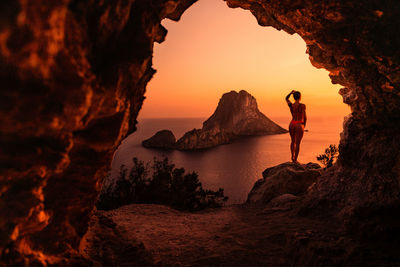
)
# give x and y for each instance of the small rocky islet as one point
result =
(236, 116)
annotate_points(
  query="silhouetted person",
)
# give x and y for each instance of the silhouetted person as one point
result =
(296, 126)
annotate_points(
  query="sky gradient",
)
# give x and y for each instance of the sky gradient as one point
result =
(214, 49)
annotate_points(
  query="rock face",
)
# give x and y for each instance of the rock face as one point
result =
(286, 178)
(73, 77)
(163, 139)
(237, 115)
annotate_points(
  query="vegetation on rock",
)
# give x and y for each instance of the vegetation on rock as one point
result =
(327, 159)
(160, 183)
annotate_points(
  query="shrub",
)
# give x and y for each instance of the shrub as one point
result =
(166, 185)
(329, 157)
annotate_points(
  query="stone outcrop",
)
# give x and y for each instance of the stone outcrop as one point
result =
(163, 139)
(286, 178)
(236, 116)
(73, 76)
(237, 113)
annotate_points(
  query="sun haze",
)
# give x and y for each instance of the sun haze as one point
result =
(214, 49)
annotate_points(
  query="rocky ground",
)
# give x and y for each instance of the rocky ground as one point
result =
(241, 235)
(267, 230)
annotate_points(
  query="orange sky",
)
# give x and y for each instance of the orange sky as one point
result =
(215, 49)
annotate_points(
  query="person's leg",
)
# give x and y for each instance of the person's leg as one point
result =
(292, 143)
(299, 131)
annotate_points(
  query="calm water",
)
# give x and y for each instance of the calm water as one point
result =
(234, 167)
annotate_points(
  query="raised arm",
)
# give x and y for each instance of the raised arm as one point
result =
(305, 116)
(287, 98)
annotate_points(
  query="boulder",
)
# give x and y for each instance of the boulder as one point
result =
(283, 200)
(286, 178)
(281, 203)
(163, 139)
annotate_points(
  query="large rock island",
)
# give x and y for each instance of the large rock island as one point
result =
(236, 116)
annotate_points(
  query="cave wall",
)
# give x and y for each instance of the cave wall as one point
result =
(73, 76)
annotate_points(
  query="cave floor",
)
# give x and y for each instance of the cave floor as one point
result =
(239, 235)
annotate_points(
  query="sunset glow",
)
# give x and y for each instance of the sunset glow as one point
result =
(214, 49)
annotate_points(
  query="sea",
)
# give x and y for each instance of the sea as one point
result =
(236, 166)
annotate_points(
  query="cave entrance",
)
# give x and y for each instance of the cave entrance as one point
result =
(212, 50)
(72, 69)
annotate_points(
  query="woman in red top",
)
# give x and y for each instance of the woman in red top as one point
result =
(296, 126)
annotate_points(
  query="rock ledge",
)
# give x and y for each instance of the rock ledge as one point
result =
(286, 178)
